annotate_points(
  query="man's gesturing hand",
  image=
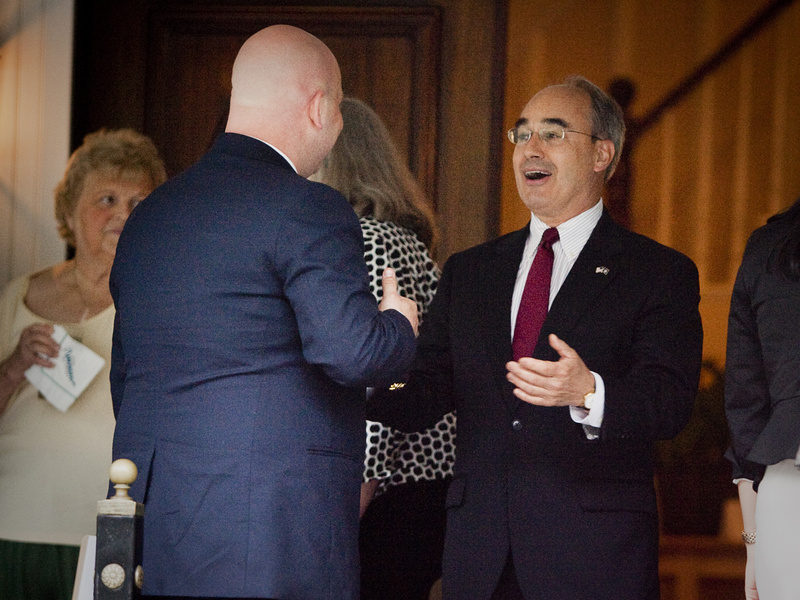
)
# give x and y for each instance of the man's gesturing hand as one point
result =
(392, 299)
(546, 383)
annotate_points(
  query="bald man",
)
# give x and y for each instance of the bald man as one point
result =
(245, 336)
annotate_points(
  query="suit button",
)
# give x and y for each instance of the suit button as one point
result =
(516, 424)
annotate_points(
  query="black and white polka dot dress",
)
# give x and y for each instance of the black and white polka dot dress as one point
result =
(392, 456)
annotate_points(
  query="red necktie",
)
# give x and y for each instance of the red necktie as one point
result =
(535, 297)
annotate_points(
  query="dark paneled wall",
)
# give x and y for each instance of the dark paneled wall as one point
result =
(433, 70)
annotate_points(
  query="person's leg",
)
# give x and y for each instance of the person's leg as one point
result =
(401, 541)
(778, 533)
(201, 598)
(508, 586)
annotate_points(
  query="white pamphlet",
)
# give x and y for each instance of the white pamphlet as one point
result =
(75, 368)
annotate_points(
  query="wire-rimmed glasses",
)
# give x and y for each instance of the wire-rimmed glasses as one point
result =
(550, 134)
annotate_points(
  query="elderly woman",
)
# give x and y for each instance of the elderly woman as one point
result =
(53, 464)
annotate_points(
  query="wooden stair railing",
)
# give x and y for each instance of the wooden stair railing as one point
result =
(623, 90)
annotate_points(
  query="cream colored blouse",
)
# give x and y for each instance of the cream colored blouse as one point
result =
(53, 465)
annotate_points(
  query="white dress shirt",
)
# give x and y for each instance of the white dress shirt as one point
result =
(572, 237)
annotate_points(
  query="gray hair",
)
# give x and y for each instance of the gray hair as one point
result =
(608, 121)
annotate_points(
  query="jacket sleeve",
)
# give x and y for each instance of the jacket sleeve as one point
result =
(320, 256)
(428, 394)
(747, 401)
(653, 396)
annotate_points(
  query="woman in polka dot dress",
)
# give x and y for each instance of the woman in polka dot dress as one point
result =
(405, 475)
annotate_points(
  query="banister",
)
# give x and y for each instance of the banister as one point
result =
(623, 89)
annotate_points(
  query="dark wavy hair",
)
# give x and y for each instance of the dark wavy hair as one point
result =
(785, 258)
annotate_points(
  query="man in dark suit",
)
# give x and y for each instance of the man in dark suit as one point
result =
(245, 336)
(553, 496)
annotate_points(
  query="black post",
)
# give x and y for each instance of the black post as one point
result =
(118, 571)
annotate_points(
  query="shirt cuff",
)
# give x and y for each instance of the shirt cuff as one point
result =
(592, 419)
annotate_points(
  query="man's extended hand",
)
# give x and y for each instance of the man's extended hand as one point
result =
(546, 383)
(392, 299)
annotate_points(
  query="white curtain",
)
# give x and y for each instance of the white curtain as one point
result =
(35, 91)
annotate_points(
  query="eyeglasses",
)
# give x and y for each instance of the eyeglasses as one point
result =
(551, 135)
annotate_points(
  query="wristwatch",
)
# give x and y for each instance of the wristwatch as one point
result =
(588, 400)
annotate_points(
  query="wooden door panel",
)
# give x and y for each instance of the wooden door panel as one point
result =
(435, 71)
(388, 57)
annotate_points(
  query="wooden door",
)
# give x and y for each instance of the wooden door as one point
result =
(433, 71)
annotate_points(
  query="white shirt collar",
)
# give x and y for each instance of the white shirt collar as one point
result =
(572, 234)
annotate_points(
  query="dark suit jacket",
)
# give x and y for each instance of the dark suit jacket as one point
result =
(245, 335)
(762, 374)
(578, 515)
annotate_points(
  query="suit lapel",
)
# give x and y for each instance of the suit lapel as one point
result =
(498, 277)
(597, 266)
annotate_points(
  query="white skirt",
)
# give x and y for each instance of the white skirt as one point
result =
(777, 552)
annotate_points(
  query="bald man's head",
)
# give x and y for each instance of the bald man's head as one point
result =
(286, 89)
(279, 60)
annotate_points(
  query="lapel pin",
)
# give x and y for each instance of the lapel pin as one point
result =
(603, 270)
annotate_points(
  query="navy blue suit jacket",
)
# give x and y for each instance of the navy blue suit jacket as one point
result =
(578, 515)
(245, 335)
